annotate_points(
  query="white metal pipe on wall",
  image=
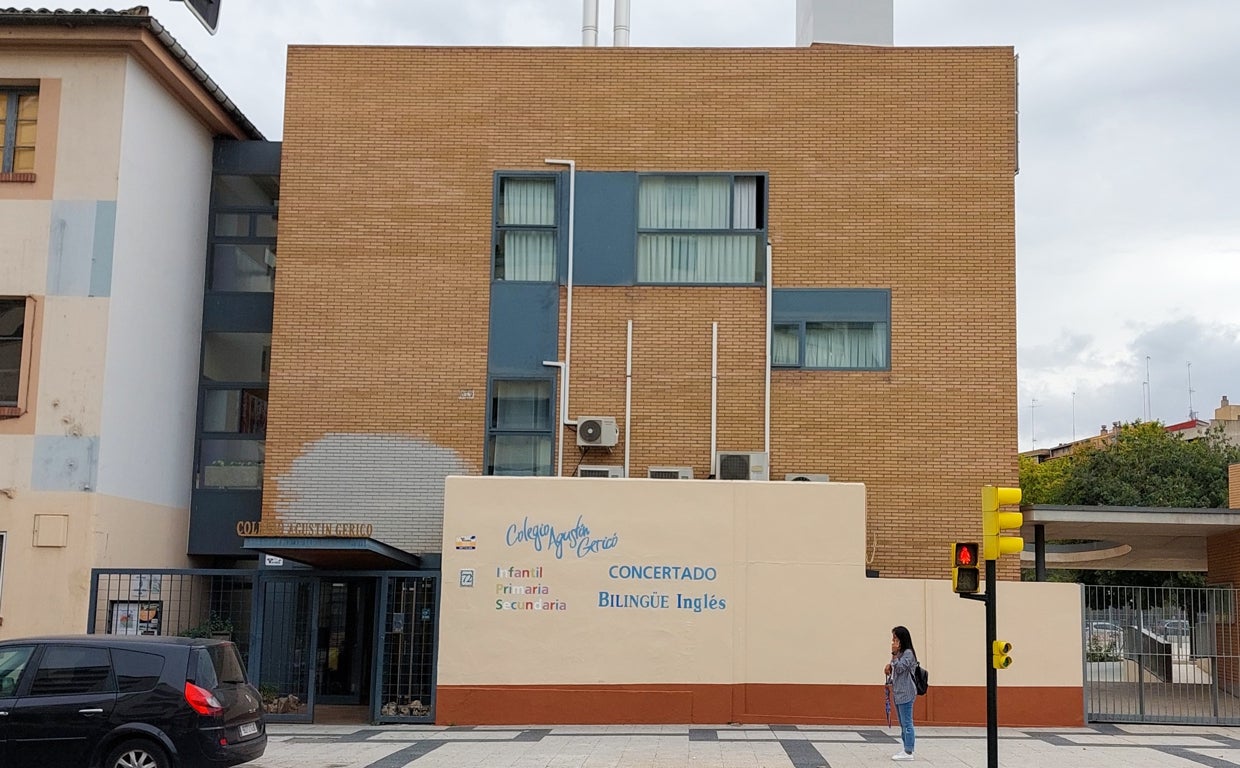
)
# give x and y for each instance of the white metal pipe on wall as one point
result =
(628, 396)
(589, 23)
(566, 367)
(620, 37)
(766, 445)
(714, 396)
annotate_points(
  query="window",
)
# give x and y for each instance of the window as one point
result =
(12, 663)
(701, 229)
(525, 228)
(12, 357)
(137, 671)
(520, 427)
(841, 329)
(19, 108)
(66, 670)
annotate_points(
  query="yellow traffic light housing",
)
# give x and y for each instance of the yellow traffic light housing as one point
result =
(994, 522)
(999, 651)
(966, 578)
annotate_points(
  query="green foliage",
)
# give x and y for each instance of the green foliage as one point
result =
(1142, 466)
(216, 624)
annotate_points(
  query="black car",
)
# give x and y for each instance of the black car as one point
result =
(126, 702)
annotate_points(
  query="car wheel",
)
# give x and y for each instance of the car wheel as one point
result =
(137, 753)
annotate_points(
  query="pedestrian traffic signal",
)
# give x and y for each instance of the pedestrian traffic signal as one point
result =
(994, 522)
(999, 651)
(966, 578)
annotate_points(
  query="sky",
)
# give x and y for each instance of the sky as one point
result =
(1128, 196)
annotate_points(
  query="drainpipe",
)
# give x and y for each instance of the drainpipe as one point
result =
(589, 23)
(628, 395)
(620, 38)
(566, 367)
(767, 439)
(714, 397)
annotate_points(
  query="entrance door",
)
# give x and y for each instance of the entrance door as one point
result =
(345, 640)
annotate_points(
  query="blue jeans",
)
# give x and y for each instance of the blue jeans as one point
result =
(905, 711)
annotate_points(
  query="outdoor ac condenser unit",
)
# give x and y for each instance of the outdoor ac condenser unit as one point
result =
(807, 477)
(749, 465)
(670, 473)
(597, 432)
(600, 471)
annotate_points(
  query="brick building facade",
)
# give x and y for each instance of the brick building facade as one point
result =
(882, 178)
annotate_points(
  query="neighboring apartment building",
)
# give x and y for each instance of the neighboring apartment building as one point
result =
(109, 134)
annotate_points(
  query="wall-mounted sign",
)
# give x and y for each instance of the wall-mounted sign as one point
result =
(281, 528)
(273, 561)
(467, 577)
(467, 542)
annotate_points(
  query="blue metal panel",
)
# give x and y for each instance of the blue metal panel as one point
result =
(247, 157)
(831, 305)
(237, 312)
(65, 463)
(213, 518)
(606, 230)
(525, 326)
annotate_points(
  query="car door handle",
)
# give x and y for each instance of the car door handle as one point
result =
(93, 711)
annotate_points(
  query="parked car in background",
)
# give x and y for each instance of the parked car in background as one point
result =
(126, 702)
(1104, 638)
(1173, 628)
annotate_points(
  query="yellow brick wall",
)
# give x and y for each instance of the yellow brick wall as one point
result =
(888, 168)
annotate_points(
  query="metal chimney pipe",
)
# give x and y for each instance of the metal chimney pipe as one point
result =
(621, 37)
(589, 23)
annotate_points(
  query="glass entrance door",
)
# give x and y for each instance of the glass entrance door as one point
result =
(345, 640)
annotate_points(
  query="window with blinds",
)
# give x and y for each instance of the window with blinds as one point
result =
(701, 229)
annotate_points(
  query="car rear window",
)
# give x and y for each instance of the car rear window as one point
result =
(136, 671)
(219, 664)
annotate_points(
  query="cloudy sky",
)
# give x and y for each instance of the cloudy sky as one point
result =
(1128, 198)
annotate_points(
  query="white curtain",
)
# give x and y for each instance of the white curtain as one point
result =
(696, 203)
(528, 254)
(521, 455)
(521, 405)
(786, 345)
(845, 345)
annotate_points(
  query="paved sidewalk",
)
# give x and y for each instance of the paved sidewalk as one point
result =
(787, 746)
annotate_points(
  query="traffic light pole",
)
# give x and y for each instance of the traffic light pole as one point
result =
(992, 675)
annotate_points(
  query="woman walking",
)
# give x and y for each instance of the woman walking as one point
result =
(900, 677)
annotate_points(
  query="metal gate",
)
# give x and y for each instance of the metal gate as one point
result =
(1161, 655)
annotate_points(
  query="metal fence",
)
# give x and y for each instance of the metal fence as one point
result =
(1161, 655)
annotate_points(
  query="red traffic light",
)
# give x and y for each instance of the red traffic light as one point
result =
(966, 554)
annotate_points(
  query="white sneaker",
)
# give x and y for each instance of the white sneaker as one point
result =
(902, 756)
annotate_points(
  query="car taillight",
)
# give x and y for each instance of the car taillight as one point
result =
(201, 700)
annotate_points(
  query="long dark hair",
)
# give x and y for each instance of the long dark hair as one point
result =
(905, 639)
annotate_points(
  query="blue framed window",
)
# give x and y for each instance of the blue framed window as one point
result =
(831, 329)
(701, 229)
(526, 230)
(520, 427)
(19, 113)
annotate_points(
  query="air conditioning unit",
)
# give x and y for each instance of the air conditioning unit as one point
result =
(600, 471)
(807, 477)
(597, 432)
(670, 473)
(750, 465)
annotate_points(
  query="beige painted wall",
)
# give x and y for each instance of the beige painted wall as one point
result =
(789, 563)
(45, 588)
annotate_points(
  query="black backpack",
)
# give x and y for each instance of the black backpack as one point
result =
(921, 678)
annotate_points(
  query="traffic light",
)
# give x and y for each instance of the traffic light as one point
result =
(994, 522)
(999, 651)
(965, 576)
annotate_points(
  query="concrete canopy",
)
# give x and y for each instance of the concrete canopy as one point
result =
(1126, 538)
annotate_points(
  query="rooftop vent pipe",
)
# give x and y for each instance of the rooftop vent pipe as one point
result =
(589, 23)
(621, 37)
